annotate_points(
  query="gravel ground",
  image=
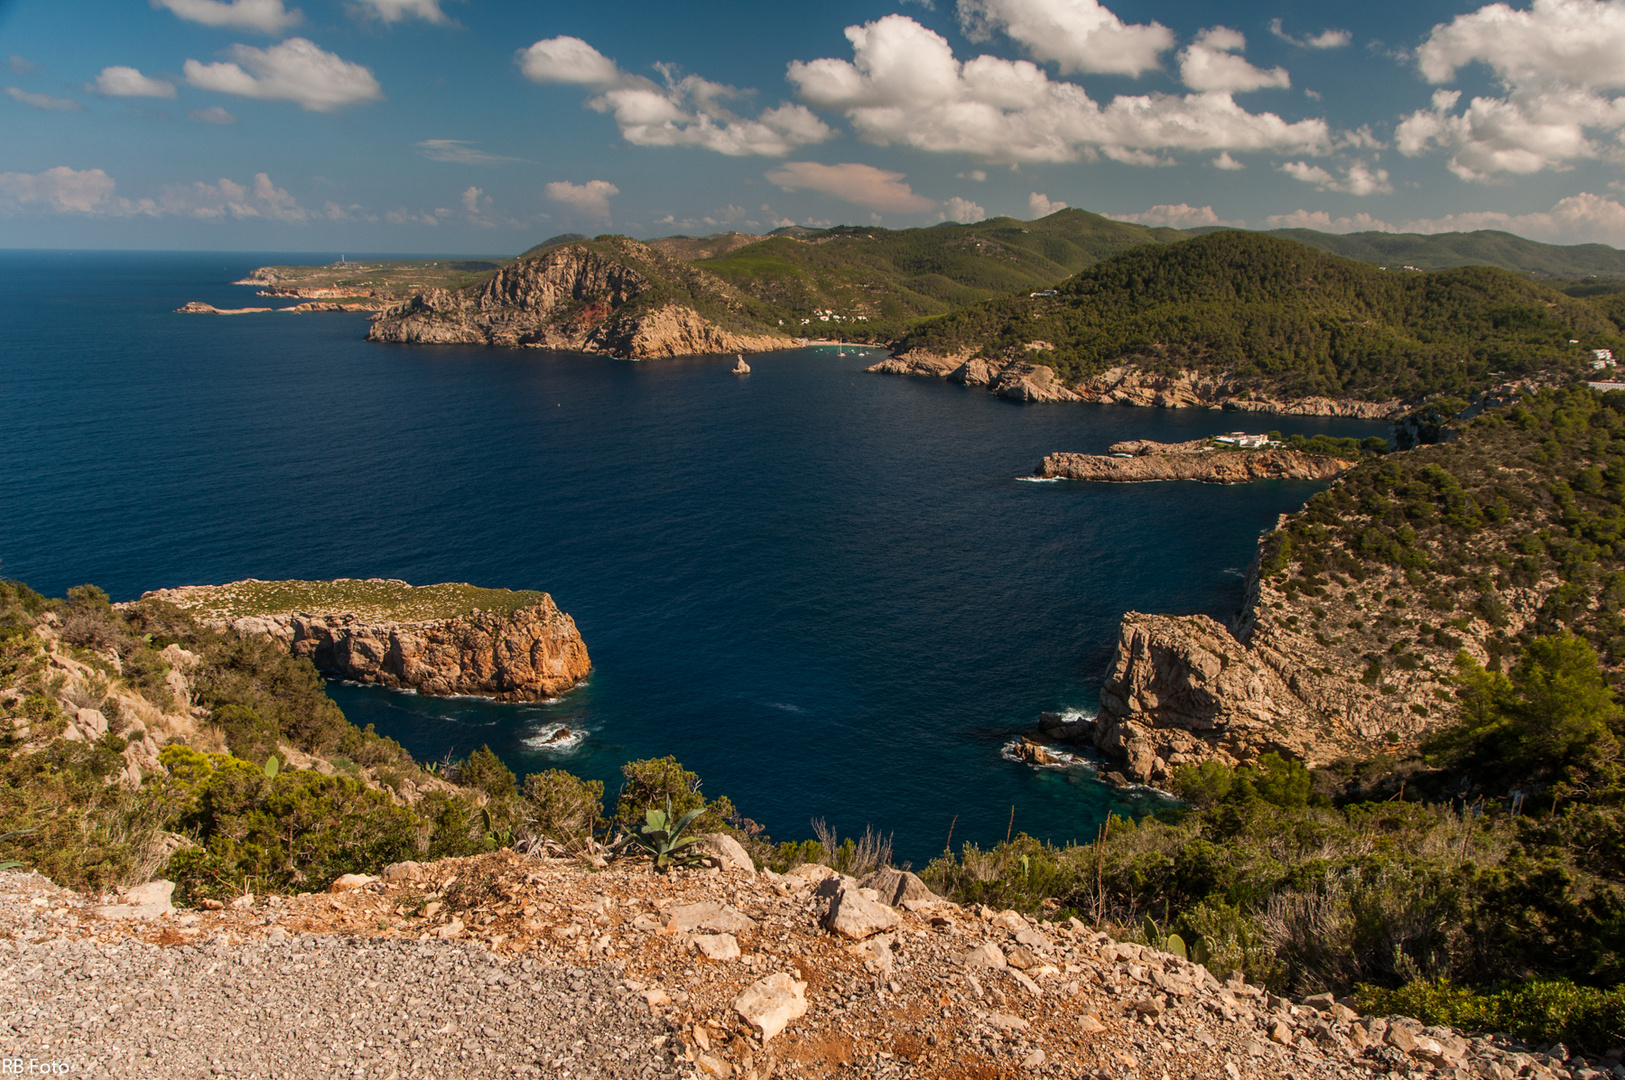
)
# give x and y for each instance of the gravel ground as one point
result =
(504, 965)
(322, 1005)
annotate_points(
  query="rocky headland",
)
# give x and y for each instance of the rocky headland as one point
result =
(614, 296)
(198, 307)
(1023, 379)
(1142, 460)
(436, 639)
(1358, 606)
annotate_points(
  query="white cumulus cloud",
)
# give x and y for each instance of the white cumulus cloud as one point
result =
(1326, 39)
(1075, 35)
(681, 111)
(1321, 221)
(1176, 216)
(59, 191)
(266, 16)
(119, 81)
(1039, 205)
(963, 211)
(864, 185)
(1227, 163)
(1558, 66)
(1357, 179)
(590, 199)
(63, 190)
(43, 102)
(1212, 63)
(905, 86)
(1577, 219)
(295, 70)
(228, 199)
(390, 11)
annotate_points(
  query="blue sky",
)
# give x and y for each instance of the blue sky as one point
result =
(482, 127)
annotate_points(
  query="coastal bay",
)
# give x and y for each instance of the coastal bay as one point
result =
(736, 628)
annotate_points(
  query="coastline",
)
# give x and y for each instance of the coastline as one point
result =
(1021, 380)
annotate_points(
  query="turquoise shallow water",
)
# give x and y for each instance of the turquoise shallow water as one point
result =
(829, 593)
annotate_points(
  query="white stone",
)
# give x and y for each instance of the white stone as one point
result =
(876, 954)
(92, 722)
(717, 946)
(709, 915)
(149, 901)
(770, 1004)
(855, 916)
(351, 882)
(985, 956)
(728, 851)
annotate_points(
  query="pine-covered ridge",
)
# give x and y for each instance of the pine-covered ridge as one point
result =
(1285, 320)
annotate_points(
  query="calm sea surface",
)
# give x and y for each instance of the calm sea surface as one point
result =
(831, 594)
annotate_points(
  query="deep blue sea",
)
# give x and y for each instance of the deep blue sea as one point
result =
(831, 594)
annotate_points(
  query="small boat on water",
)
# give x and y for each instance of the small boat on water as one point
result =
(741, 368)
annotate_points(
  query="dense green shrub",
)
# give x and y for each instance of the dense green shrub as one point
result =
(563, 807)
(1538, 1011)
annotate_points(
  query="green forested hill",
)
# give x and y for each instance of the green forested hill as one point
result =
(895, 277)
(1486, 247)
(1286, 319)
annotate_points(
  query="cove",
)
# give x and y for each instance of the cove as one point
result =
(831, 594)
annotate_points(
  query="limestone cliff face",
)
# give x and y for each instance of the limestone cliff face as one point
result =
(1183, 689)
(918, 362)
(1214, 467)
(530, 653)
(574, 297)
(1294, 675)
(1022, 380)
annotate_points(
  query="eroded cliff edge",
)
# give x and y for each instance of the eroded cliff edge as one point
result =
(441, 639)
(1209, 467)
(1125, 384)
(613, 296)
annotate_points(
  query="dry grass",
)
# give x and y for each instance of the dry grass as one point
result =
(377, 599)
(866, 855)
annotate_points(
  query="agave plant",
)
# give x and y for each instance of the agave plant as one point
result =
(13, 864)
(662, 839)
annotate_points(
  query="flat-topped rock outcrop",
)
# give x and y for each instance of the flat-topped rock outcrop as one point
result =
(436, 639)
(1212, 466)
(198, 307)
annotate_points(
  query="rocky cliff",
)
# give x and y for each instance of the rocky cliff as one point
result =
(1359, 605)
(1020, 379)
(1212, 467)
(516, 647)
(613, 296)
